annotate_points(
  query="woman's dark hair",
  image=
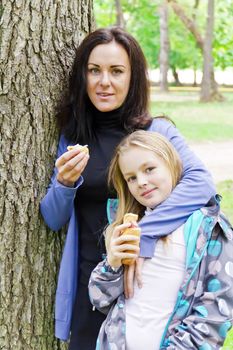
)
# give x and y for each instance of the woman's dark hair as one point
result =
(75, 116)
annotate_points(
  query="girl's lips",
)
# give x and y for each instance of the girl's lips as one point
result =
(144, 194)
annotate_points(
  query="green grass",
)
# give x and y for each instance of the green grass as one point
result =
(196, 121)
(228, 344)
(225, 188)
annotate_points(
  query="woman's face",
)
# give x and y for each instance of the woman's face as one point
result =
(108, 76)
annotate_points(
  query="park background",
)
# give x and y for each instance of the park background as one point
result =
(183, 41)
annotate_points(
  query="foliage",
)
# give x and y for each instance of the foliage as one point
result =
(144, 27)
(223, 43)
(182, 56)
(142, 20)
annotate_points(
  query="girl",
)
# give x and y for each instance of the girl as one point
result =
(186, 298)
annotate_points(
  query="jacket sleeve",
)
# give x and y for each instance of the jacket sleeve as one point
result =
(56, 206)
(210, 317)
(105, 286)
(193, 192)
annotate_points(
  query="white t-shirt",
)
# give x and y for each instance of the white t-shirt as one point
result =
(147, 313)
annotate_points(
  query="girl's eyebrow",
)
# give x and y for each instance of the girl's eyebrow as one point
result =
(142, 166)
(127, 174)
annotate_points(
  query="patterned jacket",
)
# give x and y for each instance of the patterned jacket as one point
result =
(203, 312)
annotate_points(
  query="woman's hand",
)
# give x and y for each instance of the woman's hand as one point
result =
(130, 273)
(70, 166)
(119, 244)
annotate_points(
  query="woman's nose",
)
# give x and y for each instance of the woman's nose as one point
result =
(105, 79)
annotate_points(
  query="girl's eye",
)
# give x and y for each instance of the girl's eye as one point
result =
(131, 179)
(150, 169)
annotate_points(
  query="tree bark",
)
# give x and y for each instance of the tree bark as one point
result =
(176, 76)
(201, 43)
(119, 14)
(164, 47)
(209, 90)
(38, 42)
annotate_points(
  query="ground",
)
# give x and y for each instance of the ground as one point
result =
(218, 158)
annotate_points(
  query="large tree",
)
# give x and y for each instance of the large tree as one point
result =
(38, 39)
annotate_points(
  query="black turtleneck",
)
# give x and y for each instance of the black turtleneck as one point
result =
(90, 204)
(92, 196)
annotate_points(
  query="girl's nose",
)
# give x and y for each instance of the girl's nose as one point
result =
(105, 79)
(142, 181)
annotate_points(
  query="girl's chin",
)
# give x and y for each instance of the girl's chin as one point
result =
(150, 203)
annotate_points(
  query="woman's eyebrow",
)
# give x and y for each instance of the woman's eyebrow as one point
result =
(112, 66)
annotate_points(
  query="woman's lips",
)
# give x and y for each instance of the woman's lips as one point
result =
(103, 94)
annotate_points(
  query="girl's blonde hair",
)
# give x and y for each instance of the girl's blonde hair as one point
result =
(154, 142)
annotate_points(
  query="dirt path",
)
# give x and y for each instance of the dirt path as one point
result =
(218, 158)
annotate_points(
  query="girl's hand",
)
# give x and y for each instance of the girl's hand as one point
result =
(70, 166)
(132, 272)
(119, 244)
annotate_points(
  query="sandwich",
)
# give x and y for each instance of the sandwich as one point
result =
(133, 230)
(78, 146)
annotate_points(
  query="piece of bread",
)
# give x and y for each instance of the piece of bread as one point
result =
(135, 231)
(80, 147)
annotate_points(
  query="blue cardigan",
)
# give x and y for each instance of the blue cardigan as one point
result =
(57, 207)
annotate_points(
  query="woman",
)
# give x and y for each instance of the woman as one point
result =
(186, 298)
(108, 99)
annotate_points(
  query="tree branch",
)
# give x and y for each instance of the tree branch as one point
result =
(189, 24)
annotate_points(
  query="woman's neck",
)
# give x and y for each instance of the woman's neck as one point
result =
(107, 120)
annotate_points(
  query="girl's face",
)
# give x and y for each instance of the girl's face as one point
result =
(108, 76)
(148, 178)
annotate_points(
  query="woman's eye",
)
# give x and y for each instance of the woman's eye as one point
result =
(93, 71)
(117, 71)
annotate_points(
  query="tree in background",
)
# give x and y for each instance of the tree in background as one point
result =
(119, 14)
(38, 39)
(186, 41)
(211, 90)
(164, 46)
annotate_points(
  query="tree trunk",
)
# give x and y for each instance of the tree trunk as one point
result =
(192, 27)
(119, 14)
(209, 89)
(38, 42)
(176, 76)
(164, 47)
(194, 76)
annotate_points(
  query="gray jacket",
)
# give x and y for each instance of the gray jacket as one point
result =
(204, 309)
